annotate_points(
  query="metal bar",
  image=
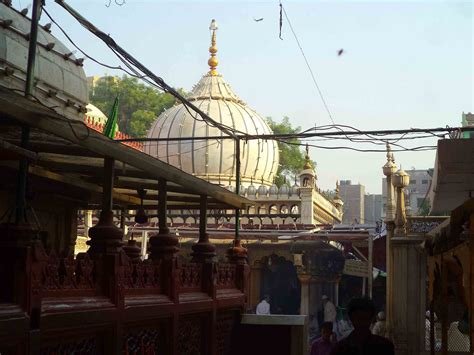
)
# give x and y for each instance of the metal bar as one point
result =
(306, 135)
(237, 188)
(370, 266)
(107, 190)
(30, 69)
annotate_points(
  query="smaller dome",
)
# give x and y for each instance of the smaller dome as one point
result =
(273, 191)
(284, 189)
(295, 189)
(243, 190)
(251, 191)
(262, 190)
(230, 188)
(97, 116)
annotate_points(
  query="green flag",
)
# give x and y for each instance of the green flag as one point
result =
(111, 126)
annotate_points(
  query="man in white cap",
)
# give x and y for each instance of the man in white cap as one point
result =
(329, 310)
(263, 308)
(380, 327)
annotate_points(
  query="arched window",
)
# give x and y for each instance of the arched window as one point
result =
(273, 209)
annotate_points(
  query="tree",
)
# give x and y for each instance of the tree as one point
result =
(139, 105)
(292, 157)
(424, 209)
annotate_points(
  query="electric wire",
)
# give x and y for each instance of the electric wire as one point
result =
(307, 64)
(126, 57)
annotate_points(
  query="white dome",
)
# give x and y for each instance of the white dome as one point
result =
(295, 189)
(213, 159)
(96, 115)
(284, 190)
(273, 191)
(251, 190)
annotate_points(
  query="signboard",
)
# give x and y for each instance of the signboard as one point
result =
(355, 268)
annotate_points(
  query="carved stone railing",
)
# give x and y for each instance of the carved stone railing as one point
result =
(226, 276)
(143, 275)
(54, 276)
(190, 277)
(109, 303)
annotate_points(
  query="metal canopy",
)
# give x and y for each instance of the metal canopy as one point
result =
(68, 152)
(453, 179)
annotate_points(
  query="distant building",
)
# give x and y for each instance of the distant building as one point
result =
(372, 208)
(468, 120)
(353, 197)
(415, 193)
(91, 83)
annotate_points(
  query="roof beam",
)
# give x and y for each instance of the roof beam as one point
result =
(76, 182)
(34, 115)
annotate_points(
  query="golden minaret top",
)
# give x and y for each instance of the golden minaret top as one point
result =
(307, 159)
(213, 62)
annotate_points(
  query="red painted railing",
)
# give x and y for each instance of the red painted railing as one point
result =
(113, 303)
(99, 127)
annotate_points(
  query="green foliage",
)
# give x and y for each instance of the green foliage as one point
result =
(292, 157)
(425, 207)
(138, 102)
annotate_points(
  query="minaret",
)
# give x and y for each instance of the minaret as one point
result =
(213, 62)
(307, 187)
(337, 200)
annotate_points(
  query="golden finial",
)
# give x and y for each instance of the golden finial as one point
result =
(390, 157)
(307, 163)
(213, 62)
(337, 189)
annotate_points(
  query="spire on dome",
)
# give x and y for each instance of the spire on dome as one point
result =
(307, 159)
(213, 62)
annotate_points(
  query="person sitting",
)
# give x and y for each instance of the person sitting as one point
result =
(263, 308)
(380, 327)
(330, 312)
(324, 344)
(361, 341)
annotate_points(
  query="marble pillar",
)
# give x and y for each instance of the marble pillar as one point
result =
(87, 222)
(408, 276)
(408, 295)
(305, 304)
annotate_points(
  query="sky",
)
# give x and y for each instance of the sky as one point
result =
(405, 64)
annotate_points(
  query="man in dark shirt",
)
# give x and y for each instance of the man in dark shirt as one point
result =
(361, 341)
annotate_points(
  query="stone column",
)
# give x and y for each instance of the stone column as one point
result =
(389, 170)
(408, 280)
(87, 222)
(304, 305)
(306, 208)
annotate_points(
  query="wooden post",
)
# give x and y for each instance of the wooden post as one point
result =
(163, 245)
(106, 237)
(444, 310)
(471, 279)
(237, 253)
(370, 266)
(203, 250)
